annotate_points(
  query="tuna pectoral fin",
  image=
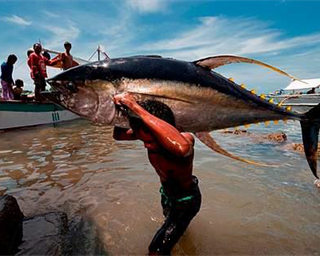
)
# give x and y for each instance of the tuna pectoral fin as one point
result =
(206, 139)
(217, 61)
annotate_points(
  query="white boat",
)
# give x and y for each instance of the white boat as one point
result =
(16, 114)
(300, 95)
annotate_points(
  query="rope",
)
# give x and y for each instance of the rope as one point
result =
(19, 65)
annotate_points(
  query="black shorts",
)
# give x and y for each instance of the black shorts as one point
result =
(179, 211)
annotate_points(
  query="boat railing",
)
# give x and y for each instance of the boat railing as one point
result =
(289, 97)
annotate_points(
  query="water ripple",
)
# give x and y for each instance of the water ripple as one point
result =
(78, 168)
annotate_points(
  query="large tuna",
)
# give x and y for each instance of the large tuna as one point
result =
(202, 100)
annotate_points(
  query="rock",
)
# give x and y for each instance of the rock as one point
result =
(2, 190)
(83, 238)
(277, 137)
(53, 234)
(44, 234)
(299, 147)
(11, 219)
(237, 132)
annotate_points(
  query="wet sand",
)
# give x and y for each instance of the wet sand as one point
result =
(79, 169)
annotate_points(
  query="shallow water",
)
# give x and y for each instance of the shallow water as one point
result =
(79, 169)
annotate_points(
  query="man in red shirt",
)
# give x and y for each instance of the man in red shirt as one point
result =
(37, 63)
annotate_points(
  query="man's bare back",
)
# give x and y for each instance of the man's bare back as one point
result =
(173, 171)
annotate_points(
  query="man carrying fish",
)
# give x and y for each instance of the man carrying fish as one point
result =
(171, 154)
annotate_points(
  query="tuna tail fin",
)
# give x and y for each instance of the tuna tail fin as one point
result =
(310, 134)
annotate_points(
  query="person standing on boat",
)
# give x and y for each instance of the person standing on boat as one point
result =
(171, 154)
(6, 77)
(37, 63)
(312, 91)
(65, 58)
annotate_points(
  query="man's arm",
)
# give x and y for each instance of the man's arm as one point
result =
(55, 61)
(167, 135)
(74, 63)
(123, 134)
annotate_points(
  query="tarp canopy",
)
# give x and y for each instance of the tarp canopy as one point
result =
(305, 84)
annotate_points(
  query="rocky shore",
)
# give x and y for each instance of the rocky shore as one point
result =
(50, 233)
(274, 137)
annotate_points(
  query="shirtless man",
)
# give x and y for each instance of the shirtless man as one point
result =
(65, 59)
(171, 154)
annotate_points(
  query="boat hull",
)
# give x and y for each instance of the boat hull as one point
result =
(15, 114)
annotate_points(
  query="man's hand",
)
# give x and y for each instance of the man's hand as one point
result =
(125, 99)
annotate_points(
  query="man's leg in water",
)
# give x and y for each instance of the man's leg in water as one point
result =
(165, 203)
(175, 225)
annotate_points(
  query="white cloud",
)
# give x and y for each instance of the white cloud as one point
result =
(218, 35)
(245, 37)
(50, 14)
(147, 6)
(61, 34)
(18, 20)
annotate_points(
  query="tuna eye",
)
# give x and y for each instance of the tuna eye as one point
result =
(71, 87)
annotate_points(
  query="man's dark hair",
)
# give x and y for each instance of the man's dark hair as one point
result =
(19, 83)
(156, 108)
(29, 52)
(47, 55)
(12, 58)
(36, 44)
(67, 43)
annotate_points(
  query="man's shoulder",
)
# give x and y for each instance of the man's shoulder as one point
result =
(34, 56)
(67, 56)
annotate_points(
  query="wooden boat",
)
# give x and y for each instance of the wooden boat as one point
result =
(301, 96)
(15, 114)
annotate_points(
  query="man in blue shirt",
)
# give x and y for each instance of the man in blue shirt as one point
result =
(6, 77)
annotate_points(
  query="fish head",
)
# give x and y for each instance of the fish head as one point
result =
(85, 91)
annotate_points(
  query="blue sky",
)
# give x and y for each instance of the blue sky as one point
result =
(282, 33)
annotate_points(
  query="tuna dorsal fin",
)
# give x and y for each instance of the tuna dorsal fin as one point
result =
(206, 139)
(217, 61)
